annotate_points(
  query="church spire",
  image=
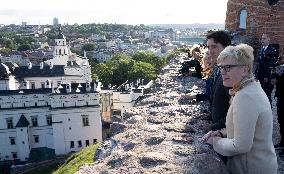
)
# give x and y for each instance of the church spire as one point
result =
(60, 47)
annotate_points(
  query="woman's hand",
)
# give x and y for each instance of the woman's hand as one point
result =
(208, 138)
(210, 141)
(188, 96)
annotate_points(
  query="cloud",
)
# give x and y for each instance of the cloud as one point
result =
(9, 12)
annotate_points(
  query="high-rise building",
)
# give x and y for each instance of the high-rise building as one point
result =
(24, 24)
(55, 21)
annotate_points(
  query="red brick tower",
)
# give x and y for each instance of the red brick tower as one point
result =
(254, 17)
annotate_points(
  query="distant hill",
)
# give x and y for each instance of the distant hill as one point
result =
(194, 25)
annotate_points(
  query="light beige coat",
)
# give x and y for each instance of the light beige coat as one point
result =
(248, 145)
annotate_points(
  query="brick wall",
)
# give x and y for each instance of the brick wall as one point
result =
(261, 18)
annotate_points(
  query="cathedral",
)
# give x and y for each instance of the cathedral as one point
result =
(65, 67)
(48, 109)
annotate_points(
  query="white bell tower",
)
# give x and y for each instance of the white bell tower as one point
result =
(60, 47)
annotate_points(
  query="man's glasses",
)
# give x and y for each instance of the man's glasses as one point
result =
(227, 68)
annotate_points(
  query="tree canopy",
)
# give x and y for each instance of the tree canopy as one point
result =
(142, 70)
(88, 47)
(122, 67)
(24, 47)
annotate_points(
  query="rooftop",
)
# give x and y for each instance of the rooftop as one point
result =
(35, 71)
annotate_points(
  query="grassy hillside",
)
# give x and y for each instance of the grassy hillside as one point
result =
(78, 159)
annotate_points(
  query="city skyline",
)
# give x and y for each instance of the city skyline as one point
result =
(113, 11)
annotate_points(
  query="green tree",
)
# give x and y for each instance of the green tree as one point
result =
(142, 70)
(24, 47)
(51, 34)
(28, 40)
(2, 40)
(88, 47)
(9, 44)
(149, 57)
(19, 40)
(103, 73)
(143, 65)
(120, 64)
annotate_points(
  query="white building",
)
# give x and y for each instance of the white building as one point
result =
(15, 58)
(64, 68)
(7, 81)
(43, 75)
(96, 37)
(62, 53)
(103, 56)
(116, 101)
(62, 120)
(160, 34)
(114, 104)
(167, 48)
(52, 108)
(123, 100)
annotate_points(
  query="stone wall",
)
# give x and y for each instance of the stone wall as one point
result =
(261, 18)
(161, 133)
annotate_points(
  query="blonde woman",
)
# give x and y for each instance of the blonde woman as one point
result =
(247, 138)
(208, 66)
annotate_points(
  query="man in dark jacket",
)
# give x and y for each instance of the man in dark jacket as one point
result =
(265, 62)
(219, 99)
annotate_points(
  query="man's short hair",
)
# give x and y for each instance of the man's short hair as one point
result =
(220, 37)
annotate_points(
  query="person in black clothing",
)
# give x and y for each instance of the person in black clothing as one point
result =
(265, 62)
(219, 98)
(277, 78)
(197, 56)
(193, 63)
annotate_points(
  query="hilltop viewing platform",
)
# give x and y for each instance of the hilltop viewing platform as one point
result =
(161, 133)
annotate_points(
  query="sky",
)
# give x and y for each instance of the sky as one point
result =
(39, 12)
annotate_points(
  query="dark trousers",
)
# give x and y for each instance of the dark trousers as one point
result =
(267, 87)
(280, 113)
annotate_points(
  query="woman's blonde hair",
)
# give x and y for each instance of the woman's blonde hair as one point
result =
(242, 54)
(196, 48)
(207, 71)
